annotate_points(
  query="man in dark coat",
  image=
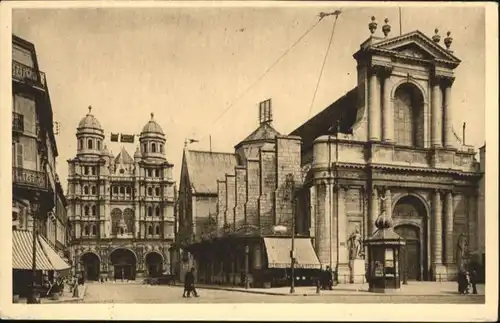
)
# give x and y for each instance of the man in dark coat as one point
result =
(189, 284)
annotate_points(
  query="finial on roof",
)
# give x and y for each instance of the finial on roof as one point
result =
(448, 40)
(152, 115)
(90, 109)
(436, 38)
(372, 25)
(386, 29)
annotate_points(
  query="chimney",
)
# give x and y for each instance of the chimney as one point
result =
(265, 112)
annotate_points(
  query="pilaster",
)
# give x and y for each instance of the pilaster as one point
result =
(387, 109)
(448, 135)
(436, 112)
(448, 228)
(373, 105)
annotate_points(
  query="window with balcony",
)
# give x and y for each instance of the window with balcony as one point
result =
(19, 155)
(25, 106)
(17, 122)
(22, 55)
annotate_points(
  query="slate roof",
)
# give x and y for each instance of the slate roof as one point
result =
(124, 157)
(206, 168)
(265, 132)
(344, 109)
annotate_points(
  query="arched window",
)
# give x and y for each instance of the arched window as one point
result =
(122, 190)
(157, 230)
(115, 189)
(86, 170)
(157, 211)
(144, 146)
(161, 148)
(80, 143)
(121, 231)
(89, 144)
(86, 210)
(128, 190)
(157, 191)
(98, 145)
(408, 116)
(150, 211)
(150, 191)
(94, 170)
(85, 190)
(86, 230)
(153, 147)
(94, 210)
(157, 173)
(94, 190)
(150, 230)
(94, 230)
(150, 173)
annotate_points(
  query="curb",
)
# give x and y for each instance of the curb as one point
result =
(353, 293)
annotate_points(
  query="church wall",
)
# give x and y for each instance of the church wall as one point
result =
(205, 206)
(253, 191)
(230, 199)
(268, 185)
(221, 204)
(240, 196)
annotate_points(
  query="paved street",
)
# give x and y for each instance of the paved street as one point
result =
(136, 293)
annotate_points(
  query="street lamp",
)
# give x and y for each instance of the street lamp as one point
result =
(291, 186)
(35, 208)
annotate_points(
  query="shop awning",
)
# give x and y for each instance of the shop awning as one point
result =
(55, 259)
(278, 253)
(22, 253)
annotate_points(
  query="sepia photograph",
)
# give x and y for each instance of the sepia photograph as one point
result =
(249, 154)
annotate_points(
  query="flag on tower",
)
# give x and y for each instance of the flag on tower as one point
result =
(114, 137)
(127, 138)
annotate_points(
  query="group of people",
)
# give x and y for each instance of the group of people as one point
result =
(325, 281)
(189, 285)
(466, 280)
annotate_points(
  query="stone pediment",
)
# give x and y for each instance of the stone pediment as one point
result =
(416, 45)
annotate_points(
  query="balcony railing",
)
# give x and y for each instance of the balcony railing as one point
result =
(28, 177)
(28, 74)
(17, 122)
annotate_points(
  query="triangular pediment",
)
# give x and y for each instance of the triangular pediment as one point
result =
(416, 45)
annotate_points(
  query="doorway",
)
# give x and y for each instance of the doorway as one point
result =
(91, 266)
(154, 262)
(124, 262)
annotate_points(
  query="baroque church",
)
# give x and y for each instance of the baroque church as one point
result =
(388, 145)
(121, 207)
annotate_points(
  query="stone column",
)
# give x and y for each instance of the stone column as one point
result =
(448, 228)
(437, 252)
(448, 113)
(373, 106)
(388, 114)
(436, 112)
(312, 206)
(342, 225)
(374, 210)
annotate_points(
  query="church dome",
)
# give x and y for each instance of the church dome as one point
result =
(89, 121)
(152, 127)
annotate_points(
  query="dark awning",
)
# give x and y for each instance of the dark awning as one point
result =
(278, 253)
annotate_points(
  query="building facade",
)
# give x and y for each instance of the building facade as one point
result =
(388, 145)
(35, 186)
(121, 208)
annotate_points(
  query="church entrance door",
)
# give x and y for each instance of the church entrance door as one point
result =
(90, 266)
(410, 254)
(124, 262)
(154, 262)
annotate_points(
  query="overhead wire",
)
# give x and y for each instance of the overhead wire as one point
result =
(266, 72)
(323, 66)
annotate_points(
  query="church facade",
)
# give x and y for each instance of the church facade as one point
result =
(388, 145)
(121, 207)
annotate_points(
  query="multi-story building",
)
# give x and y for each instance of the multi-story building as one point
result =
(35, 185)
(121, 208)
(388, 145)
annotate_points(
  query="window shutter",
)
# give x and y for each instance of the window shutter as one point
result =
(19, 155)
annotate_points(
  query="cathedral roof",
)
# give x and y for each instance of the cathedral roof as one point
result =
(206, 168)
(124, 157)
(89, 121)
(345, 110)
(265, 132)
(152, 127)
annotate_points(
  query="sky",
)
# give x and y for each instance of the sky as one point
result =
(188, 65)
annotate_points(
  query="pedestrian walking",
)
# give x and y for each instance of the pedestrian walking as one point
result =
(473, 280)
(189, 284)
